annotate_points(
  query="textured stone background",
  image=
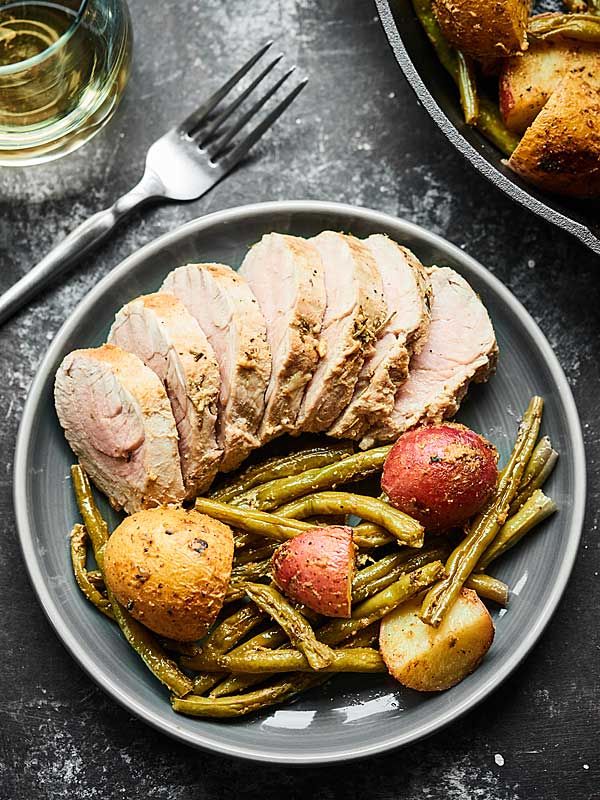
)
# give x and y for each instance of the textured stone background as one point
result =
(357, 135)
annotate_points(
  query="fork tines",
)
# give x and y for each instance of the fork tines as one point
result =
(206, 125)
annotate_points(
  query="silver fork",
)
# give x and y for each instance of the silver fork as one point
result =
(182, 165)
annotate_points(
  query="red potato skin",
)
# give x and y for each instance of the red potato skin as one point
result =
(441, 475)
(316, 569)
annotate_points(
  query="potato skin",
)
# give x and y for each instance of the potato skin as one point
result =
(441, 475)
(434, 659)
(316, 569)
(560, 151)
(528, 80)
(170, 568)
(482, 29)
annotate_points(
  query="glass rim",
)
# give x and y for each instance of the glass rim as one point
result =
(18, 66)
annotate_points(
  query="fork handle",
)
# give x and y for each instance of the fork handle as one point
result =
(70, 249)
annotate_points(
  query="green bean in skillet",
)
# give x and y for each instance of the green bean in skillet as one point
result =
(280, 467)
(276, 493)
(352, 659)
(491, 125)
(293, 623)
(138, 636)
(537, 508)
(238, 705)
(467, 87)
(582, 27)
(78, 560)
(251, 571)
(484, 529)
(405, 529)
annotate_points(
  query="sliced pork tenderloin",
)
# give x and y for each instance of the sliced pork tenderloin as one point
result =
(406, 291)
(228, 313)
(160, 330)
(461, 347)
(117, 418)
(286, 275)
(355, 311)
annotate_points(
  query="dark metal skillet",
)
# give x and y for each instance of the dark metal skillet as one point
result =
(436, 91)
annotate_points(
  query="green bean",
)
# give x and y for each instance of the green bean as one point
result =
(240, 682)
(254, 554)
(293, 623)
(540, 455)
(583, 27)
(376, 607)
(467, 87)
(78, 559)
(408, 562)
(235, 591)
(238, 705)
(535, 510)
(489, 588)
(537, 483)
(406, 530)
(354, 659)
(491, 125)
(181, 648)
(277, 492)
(96, 579)
(233, 629)
(484, 529)
(270, 525)
(280, 467)
(221, 640)
(261, 523)
(96, 527)
(445, 52)
(136, 634)
(251, 571)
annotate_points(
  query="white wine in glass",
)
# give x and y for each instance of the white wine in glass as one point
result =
(63, 69)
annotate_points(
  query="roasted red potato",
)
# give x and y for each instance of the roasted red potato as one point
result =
(432, 659)
(560, 151)
(486, 31)
(316, 569)
(441, 475)
(528, 80)
(170, 568)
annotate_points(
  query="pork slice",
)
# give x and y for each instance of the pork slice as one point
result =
(286, 276)
(406, 291)
(354, 313)
(228, 313)
(160, 330)
(117, 418)
(461, 347)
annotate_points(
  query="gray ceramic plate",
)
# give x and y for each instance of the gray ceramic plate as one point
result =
(352, 716)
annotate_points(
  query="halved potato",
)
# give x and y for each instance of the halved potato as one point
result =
(560, 151)
(432, 659)
(486, 31)
(527, 81)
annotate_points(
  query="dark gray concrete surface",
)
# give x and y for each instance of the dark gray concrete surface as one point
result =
(356, 135)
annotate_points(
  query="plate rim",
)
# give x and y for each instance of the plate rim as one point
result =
(256, 753)
(458, 141)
